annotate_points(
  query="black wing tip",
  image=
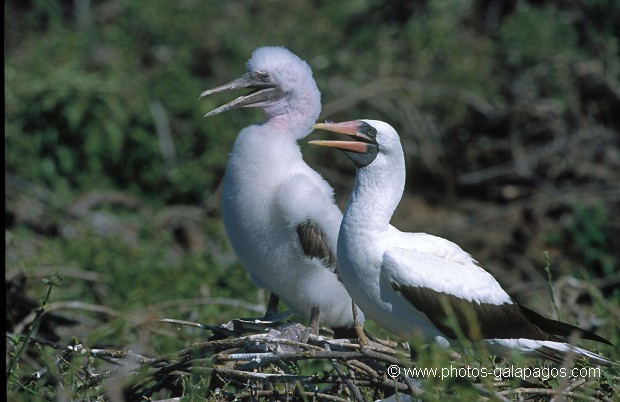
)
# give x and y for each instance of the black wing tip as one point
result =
(561, 329)
(598, 338)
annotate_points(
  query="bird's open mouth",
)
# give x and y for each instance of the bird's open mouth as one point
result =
(263, 91)
(361, 132)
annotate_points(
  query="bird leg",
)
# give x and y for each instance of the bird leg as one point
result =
(362, 339)
(272, 307)
(313, 326)
(314, 320)
(272, 314)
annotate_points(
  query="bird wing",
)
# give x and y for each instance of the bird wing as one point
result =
(307, 206)
(457, 297)
(314, 243)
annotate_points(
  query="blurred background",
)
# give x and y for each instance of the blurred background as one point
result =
(509, 114)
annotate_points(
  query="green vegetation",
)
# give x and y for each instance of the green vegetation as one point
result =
(508, 113)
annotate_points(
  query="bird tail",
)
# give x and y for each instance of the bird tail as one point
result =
(551, 350)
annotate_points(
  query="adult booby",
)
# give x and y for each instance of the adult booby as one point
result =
(412, 282)
(279, 214)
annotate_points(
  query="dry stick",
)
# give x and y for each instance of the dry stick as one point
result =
(279, 393)
(70, 304)
(381, 356)
(97, 379)
(293, 356)
(575, 384)
(347, 380)
(172, 362)
(182, 358)
(183, 322)
(545, 391)
(568, 361)
(37, 340)
(161, 377)
(65, 272)
(364, 368)
(490, 394)
(290, 378)
(209, 301)
(149, 373)
(273, 377)
(232, 351)
(236, 327)
(377, 379)
(290, 342)
(208, 347)
(215, 329)
(415, 390)
(268, 357)
(37, 375)
(319, 342)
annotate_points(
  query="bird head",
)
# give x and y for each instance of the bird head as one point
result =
(365, 147)
(279, 83)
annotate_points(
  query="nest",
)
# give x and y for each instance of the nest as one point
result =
(251, 360)
(243, 360)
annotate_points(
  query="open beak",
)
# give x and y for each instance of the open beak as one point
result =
(264, 91)
(352, 128)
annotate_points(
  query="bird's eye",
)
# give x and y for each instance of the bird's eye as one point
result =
(263, 76)
(368, 130)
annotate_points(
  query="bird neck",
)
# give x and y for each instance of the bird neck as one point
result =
(377, 192)
(295, 113)
(289, 121)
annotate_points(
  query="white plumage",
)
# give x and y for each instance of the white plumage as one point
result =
(411, 282)
(279, 214)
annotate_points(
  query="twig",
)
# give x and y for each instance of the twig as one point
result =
(348, 382)
(543, 391)
(550, 285)
(291, 356)
(207, 301)
(35, 321)
(65, 272)
(271, 377)
(347, 379)
(486, 392)
(62, 305)
(274, 393)
(162, 128)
